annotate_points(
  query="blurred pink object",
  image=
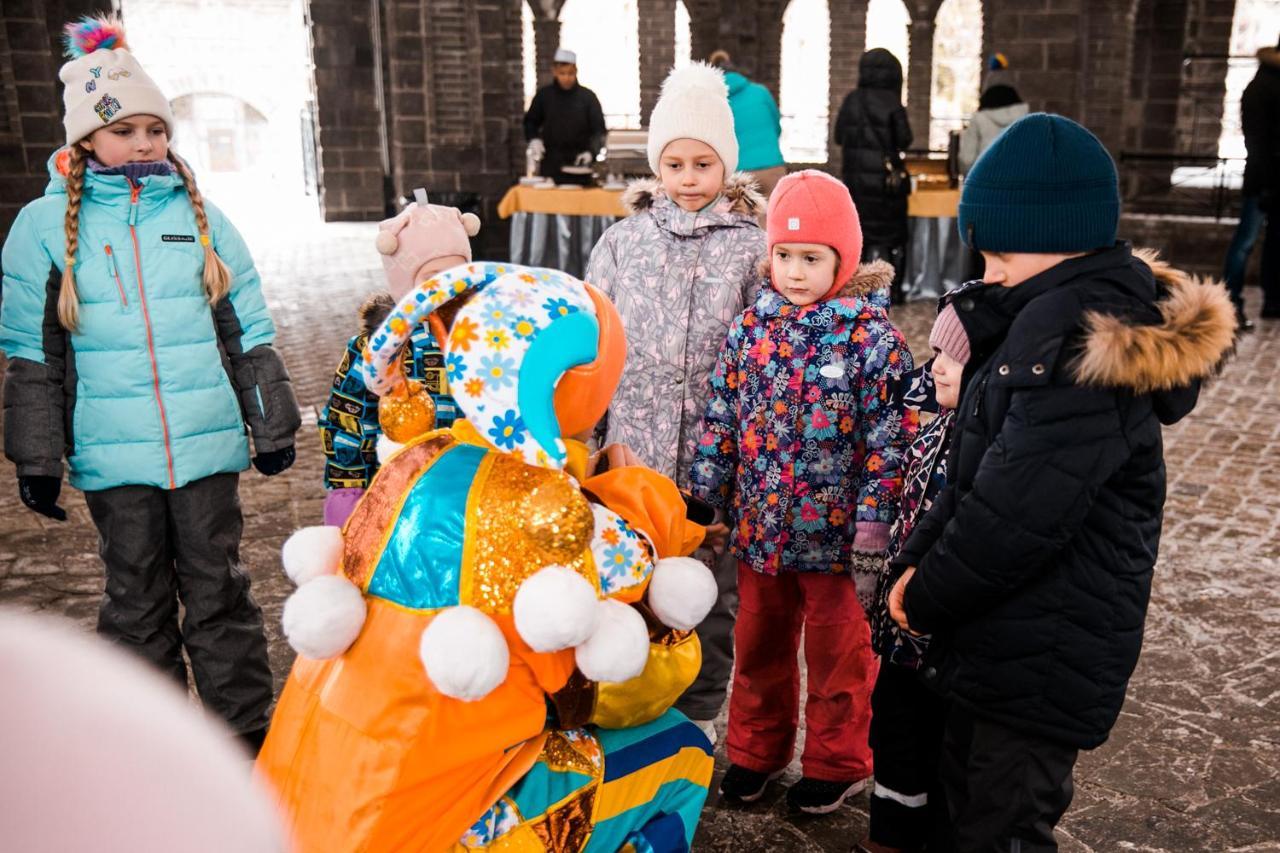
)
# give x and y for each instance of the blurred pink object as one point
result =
(338, 504)
(101, 753)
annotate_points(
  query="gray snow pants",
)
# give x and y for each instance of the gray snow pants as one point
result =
(165, 545)
(705, 697)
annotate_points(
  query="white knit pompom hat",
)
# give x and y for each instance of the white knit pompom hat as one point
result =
(104, 82)
(694, 105)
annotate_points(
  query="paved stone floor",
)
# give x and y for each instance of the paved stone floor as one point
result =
(1194, 763)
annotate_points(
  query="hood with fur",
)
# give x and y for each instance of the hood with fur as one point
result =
(1191, 341)
(868, 289)
(374, 310)
(741, 196)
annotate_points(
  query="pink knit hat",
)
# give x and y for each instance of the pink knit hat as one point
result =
(948, 336)
(420, 234)
(813, 207)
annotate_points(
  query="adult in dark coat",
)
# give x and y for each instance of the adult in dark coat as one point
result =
(1034, 565)
(565, 123)
(1260, 196)
(872, 127)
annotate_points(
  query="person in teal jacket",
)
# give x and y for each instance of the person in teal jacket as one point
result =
(757, 123)
(139, 347)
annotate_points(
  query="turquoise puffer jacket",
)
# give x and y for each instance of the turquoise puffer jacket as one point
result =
(756, 123)
(155, 387)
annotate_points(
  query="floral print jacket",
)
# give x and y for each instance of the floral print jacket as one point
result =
(804, 437)
(678, 280)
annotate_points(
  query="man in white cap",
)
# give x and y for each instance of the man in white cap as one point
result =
(564, 124)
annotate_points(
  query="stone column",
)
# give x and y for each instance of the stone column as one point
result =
(920, 78)
(546, 40)
(657, 50)
(848, 42)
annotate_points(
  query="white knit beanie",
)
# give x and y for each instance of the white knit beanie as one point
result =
(104, 82)
(694, 105)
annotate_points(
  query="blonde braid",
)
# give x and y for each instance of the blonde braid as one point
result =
(217, 278)
(68, 299)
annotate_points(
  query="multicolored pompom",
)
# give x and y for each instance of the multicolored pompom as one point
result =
(93, 32)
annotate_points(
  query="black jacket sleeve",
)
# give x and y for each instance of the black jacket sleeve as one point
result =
(595, 119)
(1031, 493)
(901, 130)
(845, 121)
(534, 118)
(262, 383)
(35, 396)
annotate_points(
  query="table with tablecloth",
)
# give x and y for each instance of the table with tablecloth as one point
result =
(936, 259)
(558, 227)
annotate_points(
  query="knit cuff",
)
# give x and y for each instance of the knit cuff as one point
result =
(870, 537)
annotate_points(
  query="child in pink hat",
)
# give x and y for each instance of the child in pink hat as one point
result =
(802, 452)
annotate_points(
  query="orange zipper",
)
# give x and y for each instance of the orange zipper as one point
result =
(146, 319)
(115, 271)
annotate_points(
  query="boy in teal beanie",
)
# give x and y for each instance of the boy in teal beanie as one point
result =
(1033, 568)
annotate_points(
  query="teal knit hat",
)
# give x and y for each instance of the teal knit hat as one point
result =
(1046, 185)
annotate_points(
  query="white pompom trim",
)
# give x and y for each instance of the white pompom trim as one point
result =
(387, 448)
(619, 648)
(682, 592)
(464, 653)
(312, 552)
(323, 617)
(554, 609)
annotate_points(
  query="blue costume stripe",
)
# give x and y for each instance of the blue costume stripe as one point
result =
(541, 788)
(665, 834)
(641, 753)
(422, 562)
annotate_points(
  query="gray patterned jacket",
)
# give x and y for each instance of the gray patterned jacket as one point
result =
(678, 279)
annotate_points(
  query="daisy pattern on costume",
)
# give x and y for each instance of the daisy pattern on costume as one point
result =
(624, 558)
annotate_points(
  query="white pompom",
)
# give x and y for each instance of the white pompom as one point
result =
(464, 653)
(554, 609)
(387, 448)
(619, 648)
(682, 592)
(471, 224)
(323, 617)
(312, 552)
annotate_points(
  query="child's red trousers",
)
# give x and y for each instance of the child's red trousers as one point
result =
(764, 708)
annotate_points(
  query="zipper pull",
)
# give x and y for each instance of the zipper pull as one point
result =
(134, 191)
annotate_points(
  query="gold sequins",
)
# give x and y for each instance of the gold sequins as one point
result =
(407, 412)
(521, 519)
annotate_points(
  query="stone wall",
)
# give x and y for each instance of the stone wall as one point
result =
(31, 96)
(429, 93)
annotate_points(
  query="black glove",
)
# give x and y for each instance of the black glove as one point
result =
(274, 461)
(41, 495)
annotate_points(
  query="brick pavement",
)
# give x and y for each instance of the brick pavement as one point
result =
(1194, 763)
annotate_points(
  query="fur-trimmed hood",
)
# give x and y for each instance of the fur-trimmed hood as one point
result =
(867, 290)
(374, 310)
(1191, 342)
(741, 196)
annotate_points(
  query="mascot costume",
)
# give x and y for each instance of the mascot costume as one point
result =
(489, 648)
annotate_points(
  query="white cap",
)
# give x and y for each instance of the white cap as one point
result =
(567, 57)
(105, 86)
(694, 105)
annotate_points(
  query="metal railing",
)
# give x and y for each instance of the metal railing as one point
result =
(1187, 184)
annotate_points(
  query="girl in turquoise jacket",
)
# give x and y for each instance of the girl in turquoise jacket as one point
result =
(139, 347)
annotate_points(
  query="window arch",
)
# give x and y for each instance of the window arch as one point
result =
(806, 81)
(1252, 27)
(684, 41)
(605, 34)
(528, 54)
(889, 26)
(957, 68)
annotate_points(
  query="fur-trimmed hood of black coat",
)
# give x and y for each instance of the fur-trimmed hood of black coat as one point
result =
(1190, 342)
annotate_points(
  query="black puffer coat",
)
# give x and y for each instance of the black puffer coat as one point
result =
(872, 124)
(1035, 564)
(1260, 123)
